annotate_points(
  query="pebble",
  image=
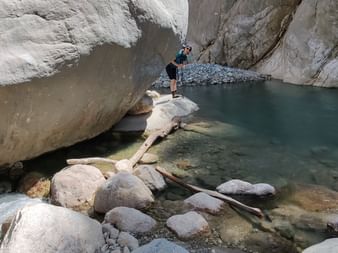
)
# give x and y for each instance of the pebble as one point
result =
(208, 74)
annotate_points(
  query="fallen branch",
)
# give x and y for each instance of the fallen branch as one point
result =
(229, 200)
(90, 160)
(152, 138)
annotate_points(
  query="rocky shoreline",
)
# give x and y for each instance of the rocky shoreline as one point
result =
(135, 218)
(197, 74)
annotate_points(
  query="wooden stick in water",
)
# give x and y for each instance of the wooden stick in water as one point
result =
(256, 211)
(90, 160)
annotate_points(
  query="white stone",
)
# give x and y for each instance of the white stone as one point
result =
(327, 246)
(127, 240)
(123, 189)
(204, 202)
(160, 246)
(148, 158)
(153, 179)
(262, 189)
(130, 219)
(165, 109)
(44, 228)
(75, 186)
(188, 225)
(124, 165)
(237, 186)
(234, 186)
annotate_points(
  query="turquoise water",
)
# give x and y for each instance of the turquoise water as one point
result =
(267, 131)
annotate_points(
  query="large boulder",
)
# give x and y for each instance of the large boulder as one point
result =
(78, 66)
(123, 189)
(44, 228)
(74, 187)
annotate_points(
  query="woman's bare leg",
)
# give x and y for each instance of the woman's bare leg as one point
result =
(173, 87)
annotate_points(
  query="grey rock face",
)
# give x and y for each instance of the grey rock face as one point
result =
(160, 246)
(293, 40)
(308, 53)
(123, 189)
(77, 67)
(188, 225)
(246, 30)
(328, 246)
(130, 219)
(75, 186)
(56, 229)
(203, 202)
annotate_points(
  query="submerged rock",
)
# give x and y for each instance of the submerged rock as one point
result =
(123, 189)
(314, 198)
(149, 158)
(44, 228)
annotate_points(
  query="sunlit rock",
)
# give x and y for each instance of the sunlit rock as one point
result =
(75, 186)
(44, 228)
(123, 189)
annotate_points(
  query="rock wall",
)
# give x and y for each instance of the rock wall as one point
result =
(293, 40)
(70, 70)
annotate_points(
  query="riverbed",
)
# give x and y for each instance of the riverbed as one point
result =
(267, 131)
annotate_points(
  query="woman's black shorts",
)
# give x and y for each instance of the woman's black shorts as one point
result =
(171, 71)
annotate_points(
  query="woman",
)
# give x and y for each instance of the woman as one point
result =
(179, 62)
